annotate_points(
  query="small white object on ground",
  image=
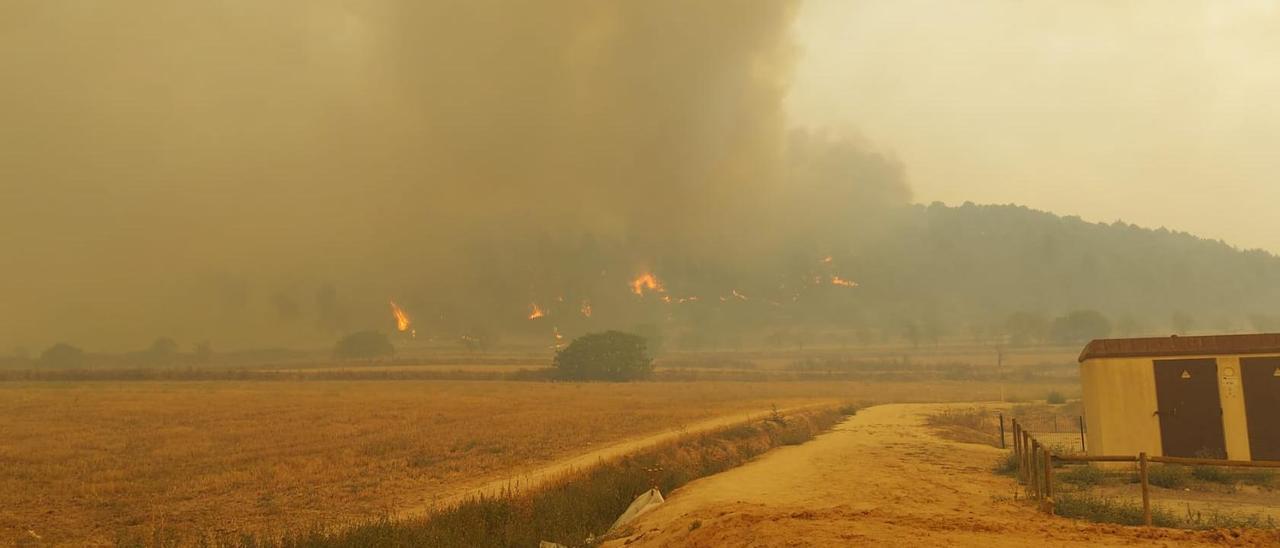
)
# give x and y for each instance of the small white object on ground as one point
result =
(642, 505)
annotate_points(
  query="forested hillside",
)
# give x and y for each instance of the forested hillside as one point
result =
(998, 270)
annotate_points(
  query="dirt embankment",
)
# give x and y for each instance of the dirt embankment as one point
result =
(882, 479)
(534, 478)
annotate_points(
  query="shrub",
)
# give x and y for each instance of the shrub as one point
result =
(1080, 326)
(364, 344)
(1008, 464)
(1083, 475)
(1056, 398)
(63, 356)
(1169, 477)
(161, 352)
(1225, 476)
(1109, 510)
(612, 355)
(1212, 474)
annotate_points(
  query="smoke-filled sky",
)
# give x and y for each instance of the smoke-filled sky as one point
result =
(262, 173)
(1157, 112)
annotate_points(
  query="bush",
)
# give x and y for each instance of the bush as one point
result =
(161, 352)
(1083, 475)
(1056, 398)
(1008, 464)
(364, 345)
(1169, 477)
(1212, 474)
(612, 355)
(63, 356)
(1110, 510)
(1079, 327)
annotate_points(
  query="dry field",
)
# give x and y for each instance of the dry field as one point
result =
(105, 461)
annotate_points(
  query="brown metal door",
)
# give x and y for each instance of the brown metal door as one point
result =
(1261, 377)
(1189, 408)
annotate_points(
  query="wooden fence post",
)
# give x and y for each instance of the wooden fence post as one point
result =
(1002, 431)
(1048, 481)
(1083, 449)
(1017, 450)
(1035, 468)
(1026, 457)
(1146, 488)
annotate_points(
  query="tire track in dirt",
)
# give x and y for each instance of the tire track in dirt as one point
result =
(881, 478)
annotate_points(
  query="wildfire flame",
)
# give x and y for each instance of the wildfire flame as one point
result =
(737, 295)
(586, 308)
(402, 319)
(646, 281)
(535, 311)
(826, 260)
(555, 331)
(836, 280)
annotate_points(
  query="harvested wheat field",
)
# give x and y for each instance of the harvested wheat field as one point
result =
(109, 461)
(882, 478)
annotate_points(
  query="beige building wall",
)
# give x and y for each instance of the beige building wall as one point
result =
(1234, 425)
(1120, 404)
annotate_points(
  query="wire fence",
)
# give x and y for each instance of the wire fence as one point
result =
(1065, 436)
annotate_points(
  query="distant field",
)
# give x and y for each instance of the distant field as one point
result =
(102, 461)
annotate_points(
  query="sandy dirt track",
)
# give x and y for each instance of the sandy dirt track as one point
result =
(882, 479)
(537, 477)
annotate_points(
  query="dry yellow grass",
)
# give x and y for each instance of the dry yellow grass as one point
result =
(98, 462)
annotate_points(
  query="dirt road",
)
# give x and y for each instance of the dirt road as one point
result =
(536, 477)
(880, 479)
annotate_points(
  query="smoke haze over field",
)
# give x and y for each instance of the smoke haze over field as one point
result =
(1142, 110)
(242, 171)
(273, 174)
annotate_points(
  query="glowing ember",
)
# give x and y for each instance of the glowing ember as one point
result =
(586, 308)
(402, 319)
(535, 311)
(555, 331)
(836, 280)
(646, 282)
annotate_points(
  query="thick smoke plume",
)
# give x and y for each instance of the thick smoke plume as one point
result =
(271, 173)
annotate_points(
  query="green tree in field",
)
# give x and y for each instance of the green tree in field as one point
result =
(161, 352)
(611, 356)
(63, 356)
(1080, 327)
(202, 353)
(1026, 328)
(364, 345)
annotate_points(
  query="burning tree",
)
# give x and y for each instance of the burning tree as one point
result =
(611, 356)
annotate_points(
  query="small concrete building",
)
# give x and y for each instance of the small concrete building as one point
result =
(1207, 397)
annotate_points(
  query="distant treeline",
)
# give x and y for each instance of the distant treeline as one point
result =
(912, 275)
